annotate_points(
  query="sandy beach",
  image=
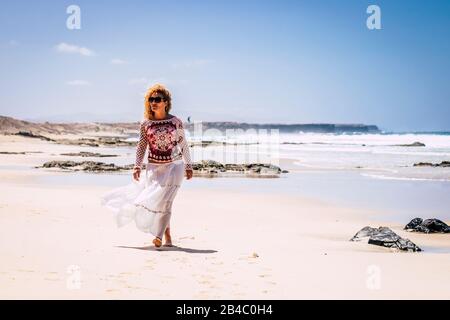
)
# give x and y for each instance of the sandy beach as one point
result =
(58, 242)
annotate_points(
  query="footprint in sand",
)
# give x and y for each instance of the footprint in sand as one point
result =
(111, 290)
(254, 256)
(187, 237)
(206, 280)
(52, 279)
(134, 287)
(238, 294)
(180, 259)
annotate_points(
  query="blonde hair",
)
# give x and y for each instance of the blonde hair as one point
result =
(162, 90)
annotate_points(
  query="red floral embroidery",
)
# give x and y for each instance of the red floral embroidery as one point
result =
(166, 141)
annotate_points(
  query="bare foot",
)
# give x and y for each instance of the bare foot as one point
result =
(157, 242)
(168, 238)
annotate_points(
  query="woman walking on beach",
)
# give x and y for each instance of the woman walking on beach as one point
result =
(148, 200)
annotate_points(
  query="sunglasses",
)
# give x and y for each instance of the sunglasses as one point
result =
(156, 99)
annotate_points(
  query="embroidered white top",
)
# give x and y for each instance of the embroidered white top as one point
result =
(165, 140)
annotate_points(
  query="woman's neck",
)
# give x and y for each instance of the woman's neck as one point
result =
(161, 116)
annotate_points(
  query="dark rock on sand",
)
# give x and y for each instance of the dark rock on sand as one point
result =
(427, 226)
(210, 167)
(88, 154)
(385, 237)
(429, 164)
(414, 144)
(19, 152)
(90, 166)
(7, 152)
(30, 134)
(207, 168)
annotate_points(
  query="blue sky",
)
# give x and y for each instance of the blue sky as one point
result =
(248, 60)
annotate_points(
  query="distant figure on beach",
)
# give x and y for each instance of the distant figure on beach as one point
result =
(148, 201)
(189, 119)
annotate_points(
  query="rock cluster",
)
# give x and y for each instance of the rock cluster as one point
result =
(207, 168)
(385, 237)
(414, 144)
(427, 226)
(429, 164)
(214, 168)
(89, 166)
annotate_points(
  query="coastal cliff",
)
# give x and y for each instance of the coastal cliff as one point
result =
(12, 125)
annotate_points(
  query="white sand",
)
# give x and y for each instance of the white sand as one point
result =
(301, 244)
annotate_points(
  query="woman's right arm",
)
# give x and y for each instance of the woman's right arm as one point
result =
(140, 150)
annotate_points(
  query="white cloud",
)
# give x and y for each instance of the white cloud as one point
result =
(78, 83)
(118, 61)
(192, 63)
(70, 48)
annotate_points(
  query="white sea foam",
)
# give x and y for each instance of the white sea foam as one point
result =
(384, 177)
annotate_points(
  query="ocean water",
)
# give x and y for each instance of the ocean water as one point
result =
(378, 156)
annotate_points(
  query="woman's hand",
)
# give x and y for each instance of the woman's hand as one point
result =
(136, 173)
(189, 173)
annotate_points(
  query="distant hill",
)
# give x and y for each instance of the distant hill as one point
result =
(11, 125)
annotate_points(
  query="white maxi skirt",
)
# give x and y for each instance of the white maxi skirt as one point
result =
(147, 202)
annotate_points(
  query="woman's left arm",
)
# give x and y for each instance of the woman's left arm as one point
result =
(184, 150)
